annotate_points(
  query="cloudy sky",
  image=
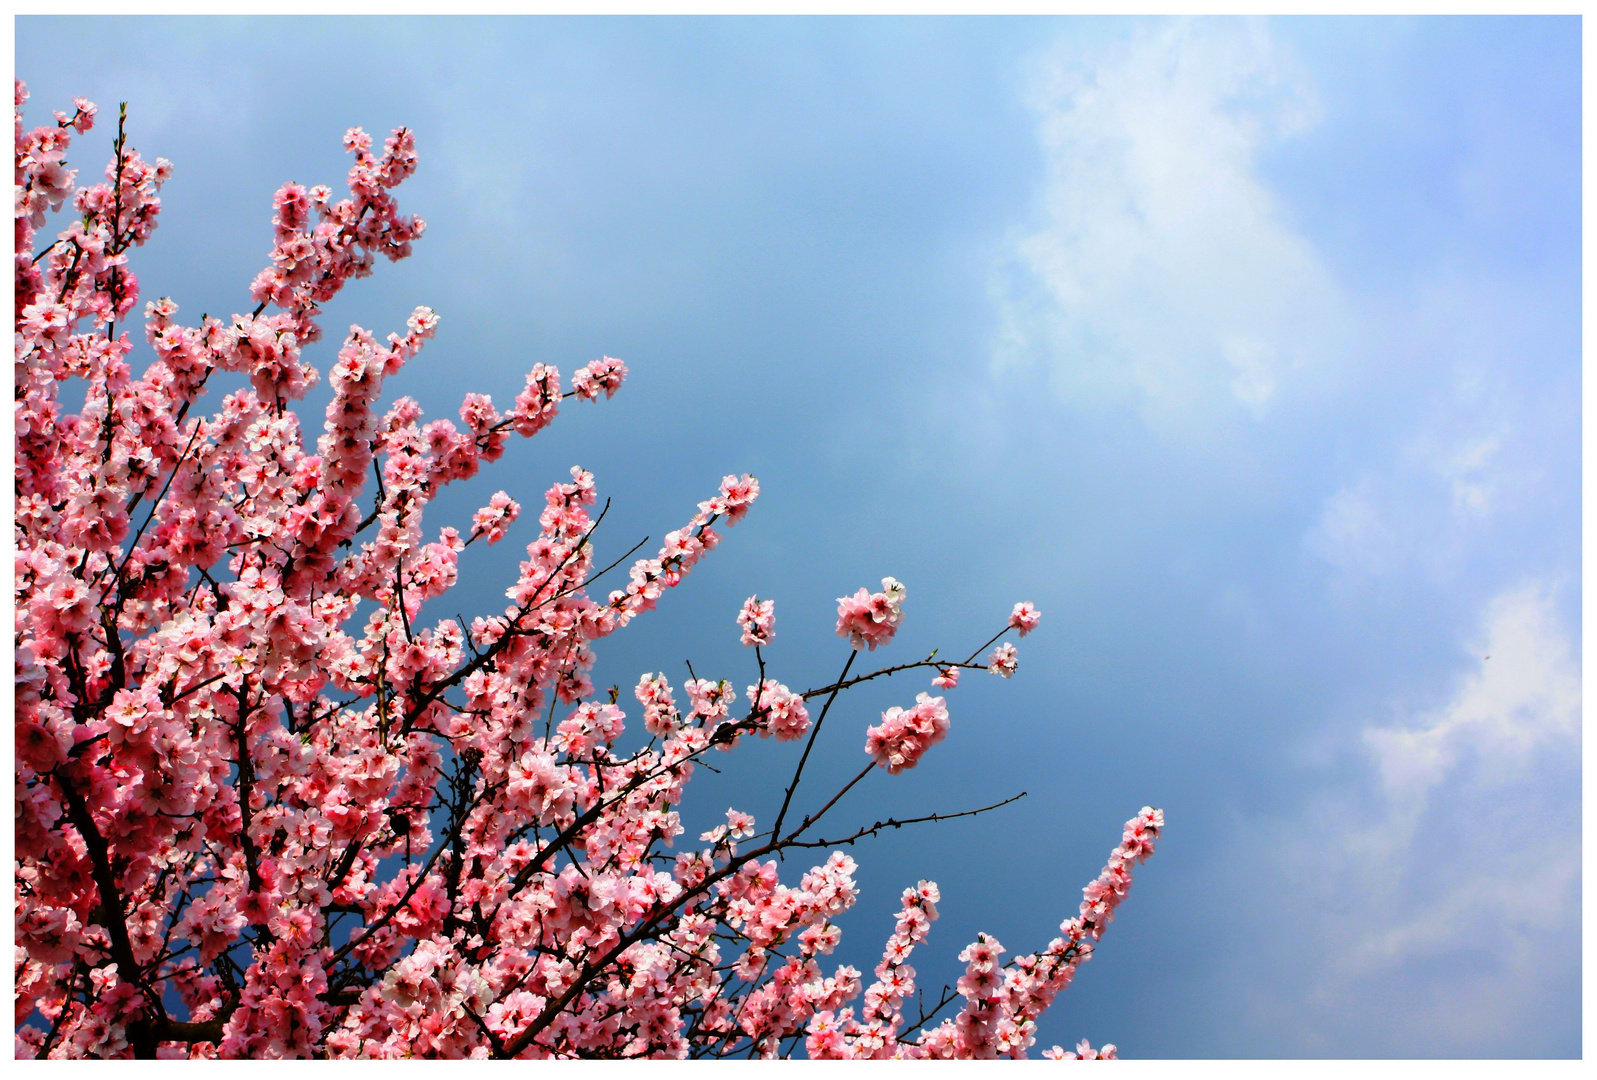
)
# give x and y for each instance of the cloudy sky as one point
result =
(1248, 351)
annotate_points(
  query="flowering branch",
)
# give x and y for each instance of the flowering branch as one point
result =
(269, 805)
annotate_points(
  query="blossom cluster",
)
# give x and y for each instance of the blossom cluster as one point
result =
(1003, 661)
(1082, 1052)
(839, 1035)
(898, 742)
(1025, 617)
(494, 520)
(1002, 1001)
(870, 619)
(778, 711)
(601, 375)
(757, 620)
(274, 798)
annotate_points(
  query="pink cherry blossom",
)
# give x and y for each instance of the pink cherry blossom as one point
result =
(871, 619)
(1024, 618)
(659, 707)
(778, 711)
(491, 522)
(758, 621)
(1082, 1052)
(276, 796)
(601, 375)
(898, 742)
(1003, 661)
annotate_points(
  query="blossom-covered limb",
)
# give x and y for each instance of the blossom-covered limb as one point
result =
(269, 805)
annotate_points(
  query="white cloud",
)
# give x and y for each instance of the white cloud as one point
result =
(1452, 886)
(1525, 693)
(1166, 273)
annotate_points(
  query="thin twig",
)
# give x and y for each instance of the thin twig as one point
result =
(787, 799)
(898, 823)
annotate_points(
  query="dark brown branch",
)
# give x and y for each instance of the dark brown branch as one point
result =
(649, 926)
(110, 901)
(482, 660)
(898, 823)
(787, 799)
(943, 1001)
(177, 467)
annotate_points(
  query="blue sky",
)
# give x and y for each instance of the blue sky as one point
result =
(1249, 351)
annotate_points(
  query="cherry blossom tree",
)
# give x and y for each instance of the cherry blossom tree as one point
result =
(266, 808)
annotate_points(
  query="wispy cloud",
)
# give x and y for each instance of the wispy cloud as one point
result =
(1424, 511)
(1525, 693)
(1167, 273)
(1452, 882)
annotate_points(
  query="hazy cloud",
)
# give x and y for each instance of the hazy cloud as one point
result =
(1425, 511)
(1166, 273)
(1525, 693)
(1453, 884)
